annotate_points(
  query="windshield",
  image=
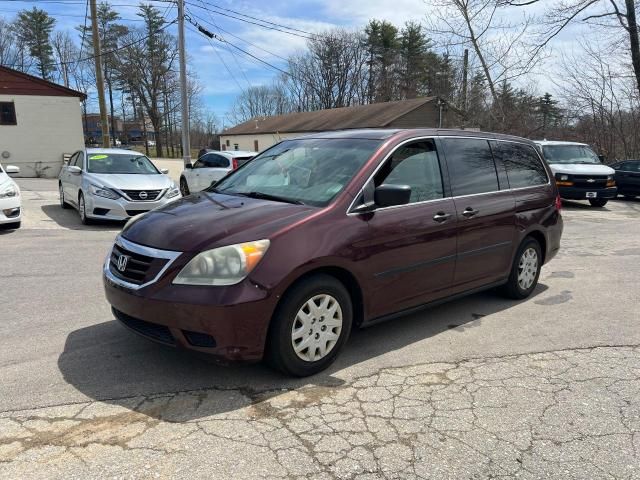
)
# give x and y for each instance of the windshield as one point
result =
(569, 154)
(309, 171)
(124, 163)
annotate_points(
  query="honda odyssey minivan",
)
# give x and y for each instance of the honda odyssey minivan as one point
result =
(328, 232)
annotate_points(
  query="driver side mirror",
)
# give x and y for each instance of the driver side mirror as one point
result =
(74, 169)
(12, 169)
(603, 158)
(164, 171)
(392, 195)
(188, 166)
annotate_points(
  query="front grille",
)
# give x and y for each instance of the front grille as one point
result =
(589, 181)
(133, 213)
(138, 269)
(153, 331)
(142, 195)
(198, 339)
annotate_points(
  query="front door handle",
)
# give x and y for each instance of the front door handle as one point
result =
(441, 217)
(470, 212)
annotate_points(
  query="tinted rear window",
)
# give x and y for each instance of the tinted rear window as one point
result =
(524, 168)
(471, 166)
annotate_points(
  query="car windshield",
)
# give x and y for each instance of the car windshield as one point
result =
(310, 171)
(569, 154)
(124, 163)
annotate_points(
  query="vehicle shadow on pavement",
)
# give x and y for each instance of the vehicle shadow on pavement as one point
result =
(108, 363)
(577, 205)
(69, 218)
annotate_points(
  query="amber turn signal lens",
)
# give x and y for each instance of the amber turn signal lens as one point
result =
(611, 183)
(564, 184)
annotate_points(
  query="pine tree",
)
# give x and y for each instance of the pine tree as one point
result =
(33, 28)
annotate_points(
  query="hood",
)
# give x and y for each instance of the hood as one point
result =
(208, 220)
(581, 169)
(121, 181)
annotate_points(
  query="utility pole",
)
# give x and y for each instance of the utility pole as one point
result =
(186, 141)
(97, 54)
(465, 83)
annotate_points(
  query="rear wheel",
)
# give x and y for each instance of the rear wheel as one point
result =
(184, 187)
(310, 326)
(598, 202)
(525, 270)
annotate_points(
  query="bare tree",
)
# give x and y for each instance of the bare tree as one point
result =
(259, 101)
(9, 52)
(65, 53)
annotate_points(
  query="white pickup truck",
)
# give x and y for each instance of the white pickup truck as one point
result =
(579, 173)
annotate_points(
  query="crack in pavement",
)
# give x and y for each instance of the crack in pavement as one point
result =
(568, 413)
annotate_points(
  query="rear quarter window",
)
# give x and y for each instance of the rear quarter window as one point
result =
(523, 165)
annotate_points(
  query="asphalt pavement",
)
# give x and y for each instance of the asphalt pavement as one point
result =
(482, 387)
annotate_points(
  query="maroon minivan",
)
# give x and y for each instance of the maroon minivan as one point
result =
(323, 233)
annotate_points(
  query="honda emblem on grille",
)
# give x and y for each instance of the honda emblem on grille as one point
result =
(122, 262)
(142, 195)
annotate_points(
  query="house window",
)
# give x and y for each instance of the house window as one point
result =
(235, 146)
(255, 145)
(7, 113)
(228, 143)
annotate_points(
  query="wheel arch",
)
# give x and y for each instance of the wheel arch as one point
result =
(542, 241)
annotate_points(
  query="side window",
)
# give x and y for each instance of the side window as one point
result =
(200, 162)
(524, 168)
(415, 164)
(72, 159)
(79, 160)
(471, 166)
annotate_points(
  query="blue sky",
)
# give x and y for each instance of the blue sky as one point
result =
(208, 58)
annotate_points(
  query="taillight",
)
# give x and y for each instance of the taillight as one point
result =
(234, 163)
(558, 203)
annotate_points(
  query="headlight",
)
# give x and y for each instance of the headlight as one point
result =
(562, 177)
(103, 192)
(223, 266)
(173, 191)
(9, 189)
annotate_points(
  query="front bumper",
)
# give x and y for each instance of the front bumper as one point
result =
(10, 210)
(121, 209)
(230, 323)
(573, 193)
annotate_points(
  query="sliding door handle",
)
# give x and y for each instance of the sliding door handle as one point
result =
(470, 212)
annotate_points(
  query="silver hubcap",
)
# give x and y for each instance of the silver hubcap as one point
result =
(82, 212)
(61, 195)
(317, 328)
(527, 268)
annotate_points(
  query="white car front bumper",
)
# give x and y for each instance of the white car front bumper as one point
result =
(121, 209)
(10, 210)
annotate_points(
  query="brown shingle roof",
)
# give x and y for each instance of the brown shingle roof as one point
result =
(13, 82)
(375, 115)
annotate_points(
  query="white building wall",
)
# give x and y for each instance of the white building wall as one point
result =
(47, 127)
(246, 142)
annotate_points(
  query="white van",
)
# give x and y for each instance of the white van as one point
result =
(579, 173)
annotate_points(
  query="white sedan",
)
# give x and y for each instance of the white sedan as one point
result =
(211, 167)
(10, 208)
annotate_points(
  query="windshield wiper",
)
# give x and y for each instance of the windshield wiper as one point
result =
(268, 196)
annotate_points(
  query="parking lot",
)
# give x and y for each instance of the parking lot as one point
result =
(482, 387)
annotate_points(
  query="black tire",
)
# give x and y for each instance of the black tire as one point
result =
(63, 203)
(184, 187)
(280, 353)
(12, 226)
(82, 210)
(513, 289)
(598, 202)
(630, 197)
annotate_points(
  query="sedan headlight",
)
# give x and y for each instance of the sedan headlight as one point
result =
(223, 266)
(103, 192)
(173, 191)
(8, 190)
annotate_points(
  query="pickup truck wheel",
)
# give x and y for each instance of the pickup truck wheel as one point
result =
(310, 326)
(525, 270)
(184, 187)
(598, 202)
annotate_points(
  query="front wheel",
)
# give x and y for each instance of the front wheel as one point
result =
(82, 209)
(598, 202)
(310, 326)
(525, 270)
(63, 202)
(184, 187)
